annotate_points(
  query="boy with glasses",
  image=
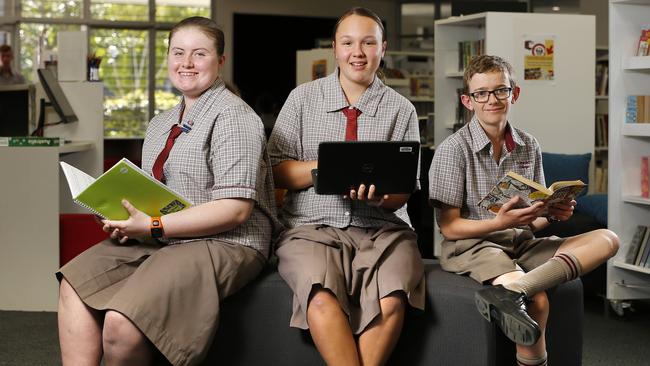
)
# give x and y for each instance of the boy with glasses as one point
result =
(501, 249)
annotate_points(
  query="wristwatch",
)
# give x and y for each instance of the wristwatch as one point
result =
(156, 227)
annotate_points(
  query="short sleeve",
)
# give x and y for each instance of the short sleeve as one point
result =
(237, 152)
(284, 142)
(447, 176)
(539, 165)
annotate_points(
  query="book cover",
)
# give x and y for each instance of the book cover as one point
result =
(643, 256)
(640, 234)
(124, 180)
(30, 141)
(513, 184)
(642, 249)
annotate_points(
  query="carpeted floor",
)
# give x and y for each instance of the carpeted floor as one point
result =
(30, 338)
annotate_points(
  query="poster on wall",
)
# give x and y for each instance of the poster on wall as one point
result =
(318, 69)
(539, 55)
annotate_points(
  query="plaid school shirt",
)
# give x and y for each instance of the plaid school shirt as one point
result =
(463, 169)
(221, 154)
(313, 114)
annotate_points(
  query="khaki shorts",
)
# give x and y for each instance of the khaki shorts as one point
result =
(359, 266)
(497, 253)
(171, 293)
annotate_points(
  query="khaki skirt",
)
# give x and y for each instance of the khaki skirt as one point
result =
(497, 253)
(359, 266)
(171, 293)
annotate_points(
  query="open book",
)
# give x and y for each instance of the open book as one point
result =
(513, 184)
(124, 180)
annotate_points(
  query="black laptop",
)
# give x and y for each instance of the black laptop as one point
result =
(390, 165)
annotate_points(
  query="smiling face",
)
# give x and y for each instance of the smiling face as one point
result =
(193, 63)
(358, 48)
(494, 112)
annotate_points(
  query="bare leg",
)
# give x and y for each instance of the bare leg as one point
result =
(538, 310)
(592, 248)
(378, 340)
(330, 329)
(124, 344)
(80, 329)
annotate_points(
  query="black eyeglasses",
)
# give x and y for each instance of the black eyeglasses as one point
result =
(483, 96)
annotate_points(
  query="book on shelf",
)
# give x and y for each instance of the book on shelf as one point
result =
(467, 50)
(602, 78)
(529, 191)
(644, 252)
(602, 125)
(640, 236)
(124, 180)
(645, 179)
(637, 109)
(642, 248)
(35, 141)
(643, 46)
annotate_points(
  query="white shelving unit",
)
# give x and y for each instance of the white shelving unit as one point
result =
(629, 75)
(565, 104)
(559, 113)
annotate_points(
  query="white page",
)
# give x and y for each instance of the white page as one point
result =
(78, 180)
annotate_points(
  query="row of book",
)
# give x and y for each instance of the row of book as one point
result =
(639, 249)
(467, 50)
(600, 179)
(637, 109)
(643, 46)
(602, 126)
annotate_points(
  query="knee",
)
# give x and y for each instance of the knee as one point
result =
(393, 304)
(611, 241)
(322, 301)
(119, 333)
(539, 305)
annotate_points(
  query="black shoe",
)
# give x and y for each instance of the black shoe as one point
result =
(508, 309)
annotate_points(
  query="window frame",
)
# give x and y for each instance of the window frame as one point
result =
(12, 20)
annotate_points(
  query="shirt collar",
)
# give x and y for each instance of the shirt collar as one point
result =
(481, 140)
(193, 114)
(335, 99)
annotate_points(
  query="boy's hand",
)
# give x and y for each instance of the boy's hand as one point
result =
(562, 211)
(509, 217)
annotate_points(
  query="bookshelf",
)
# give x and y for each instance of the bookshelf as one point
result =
(559, 112)
(601, 122)
(410, 73)
(629, 75)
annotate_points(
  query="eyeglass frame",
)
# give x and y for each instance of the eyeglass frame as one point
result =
(493, 92)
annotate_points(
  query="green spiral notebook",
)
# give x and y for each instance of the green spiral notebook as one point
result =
(124, 180)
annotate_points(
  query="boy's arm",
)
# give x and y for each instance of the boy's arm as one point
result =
(454, 227)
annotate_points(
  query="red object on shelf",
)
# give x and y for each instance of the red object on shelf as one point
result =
(77, 232)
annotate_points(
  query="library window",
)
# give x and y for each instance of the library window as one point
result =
(119, 32)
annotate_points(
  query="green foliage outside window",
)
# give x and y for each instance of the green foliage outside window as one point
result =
(124, 69)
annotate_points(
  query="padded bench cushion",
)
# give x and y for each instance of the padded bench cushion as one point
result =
(254, 328)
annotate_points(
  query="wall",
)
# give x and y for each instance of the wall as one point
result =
(386, 9)
(599, 8)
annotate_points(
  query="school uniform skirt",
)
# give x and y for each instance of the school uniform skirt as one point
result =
(360, 266)
(171, 293)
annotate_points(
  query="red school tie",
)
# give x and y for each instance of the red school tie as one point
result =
(164, 154)
(351, 114)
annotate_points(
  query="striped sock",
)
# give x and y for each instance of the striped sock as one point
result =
(536, 361)
(562, 268)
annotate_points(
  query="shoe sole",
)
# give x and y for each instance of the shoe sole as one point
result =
(513, 328)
